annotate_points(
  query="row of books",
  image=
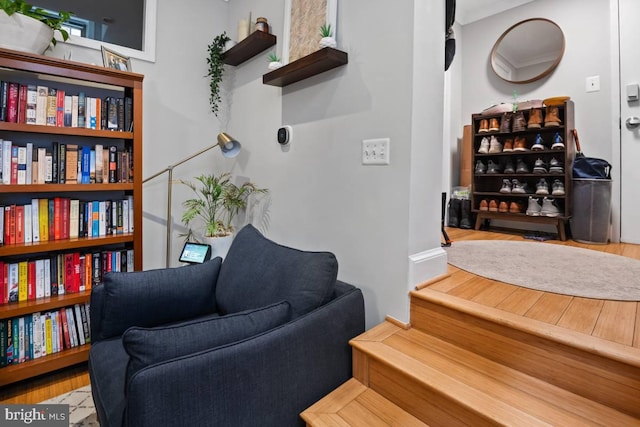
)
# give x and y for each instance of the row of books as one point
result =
(64, 164)
(63, 218)
(43, 105)
(43, 333)
(59, 274)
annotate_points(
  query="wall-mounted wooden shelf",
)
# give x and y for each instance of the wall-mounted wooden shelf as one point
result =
(305, 67)
(257, 42)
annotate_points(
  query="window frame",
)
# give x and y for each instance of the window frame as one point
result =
(148, 52)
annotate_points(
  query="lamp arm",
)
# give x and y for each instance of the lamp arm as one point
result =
(169, 169)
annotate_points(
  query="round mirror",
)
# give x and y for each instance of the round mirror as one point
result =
(528, 51)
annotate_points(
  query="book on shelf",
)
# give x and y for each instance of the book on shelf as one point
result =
(52, 106)
(4, 94)
(42, 97)
(22, 103)
(60, 95)
(71, 164)
(29, 161)
(12, 102)
(68, 109)
(32, 102)
(82, 109)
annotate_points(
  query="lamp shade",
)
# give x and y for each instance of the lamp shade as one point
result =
(229, 145)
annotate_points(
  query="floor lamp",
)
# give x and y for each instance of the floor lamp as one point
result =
(230, 148)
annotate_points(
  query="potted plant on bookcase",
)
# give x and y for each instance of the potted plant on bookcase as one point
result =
(216, 203)
(216, 69)
(28, 28)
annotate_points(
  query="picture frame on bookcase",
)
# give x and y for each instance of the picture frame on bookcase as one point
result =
(112, 59)
(302, 22)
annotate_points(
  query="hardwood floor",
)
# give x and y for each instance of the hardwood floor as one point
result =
(616, 321)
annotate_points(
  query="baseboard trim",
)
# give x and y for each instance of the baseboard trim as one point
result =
(427, 265)
(432, 281)
(398, 323)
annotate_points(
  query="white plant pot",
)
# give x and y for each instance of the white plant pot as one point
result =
(219, 245)
(327, 42)
(274, 65)
(23, 33)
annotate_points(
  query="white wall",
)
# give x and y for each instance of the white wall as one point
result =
(373, 218)
(587, 28)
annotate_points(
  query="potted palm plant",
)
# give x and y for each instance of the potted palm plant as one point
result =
(28, 28)
(216, 203)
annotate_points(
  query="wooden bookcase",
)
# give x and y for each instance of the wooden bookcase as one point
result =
(97, 82)
(486, 186)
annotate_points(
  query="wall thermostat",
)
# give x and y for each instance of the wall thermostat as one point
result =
(284, 135)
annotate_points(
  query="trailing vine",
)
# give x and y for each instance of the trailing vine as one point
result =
(216, 69)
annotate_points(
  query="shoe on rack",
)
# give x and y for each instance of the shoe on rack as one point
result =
(493, 206)
(522, 167)
(494, 167)
(506, 186)
(503, 207)
(549, 207)
(542, 187)
(535, 119)
(494, 145)
(557, 188)
(552, 117)
(508, 145)
(508, 167)
(533, 208)
(480, 167)
(505, 123)
(454, 213)
(484, 146)
(515, 207)
(539, 144)
(540, 166)
(519, 122)
(484, 126)
(555, 166)
(484, 205)
(494, 126)
(518, 187)
(558, 142)
(520, 144)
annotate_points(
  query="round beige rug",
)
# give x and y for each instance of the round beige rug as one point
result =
(551, 268)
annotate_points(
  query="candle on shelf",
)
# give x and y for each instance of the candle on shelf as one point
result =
(243, 29)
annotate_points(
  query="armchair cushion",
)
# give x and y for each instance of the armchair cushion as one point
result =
(257, 272)
(147, 346)
(155, 297)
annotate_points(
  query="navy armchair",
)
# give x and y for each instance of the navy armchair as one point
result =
(253, 340)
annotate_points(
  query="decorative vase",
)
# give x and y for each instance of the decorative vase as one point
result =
(327, 42)
(219, 245)
(274, 65)
(23, 33)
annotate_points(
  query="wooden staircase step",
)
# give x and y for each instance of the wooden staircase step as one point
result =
(442, 384)
(353, 404)
(600, 370)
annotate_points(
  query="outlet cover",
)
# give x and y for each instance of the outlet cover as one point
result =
(376, 151)
(592, 84)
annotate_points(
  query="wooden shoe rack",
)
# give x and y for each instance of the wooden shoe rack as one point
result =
(486, 186)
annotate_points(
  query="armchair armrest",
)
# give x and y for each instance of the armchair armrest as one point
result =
(267, 379)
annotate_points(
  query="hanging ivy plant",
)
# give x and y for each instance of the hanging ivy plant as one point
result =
(216, 69)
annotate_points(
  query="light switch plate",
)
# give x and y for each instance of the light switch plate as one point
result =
(375, 151)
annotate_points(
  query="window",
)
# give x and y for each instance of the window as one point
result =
(126, 26)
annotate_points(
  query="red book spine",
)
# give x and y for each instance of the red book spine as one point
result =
(76, 272)
(68, 273)
(60, 108)
(3, 280)
(57, 219)
(31, 280)
(12, 224)
(12, 103)
(19, 224)
(65, 328)
(64, 227)
(22, 104)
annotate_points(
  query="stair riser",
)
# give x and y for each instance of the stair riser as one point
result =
(425, 403)
(595, 377)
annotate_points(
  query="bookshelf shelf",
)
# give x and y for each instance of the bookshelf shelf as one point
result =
(100, 83)
(256, 42)
(318, 62)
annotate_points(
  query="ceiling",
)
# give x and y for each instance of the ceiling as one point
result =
(468, 11)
